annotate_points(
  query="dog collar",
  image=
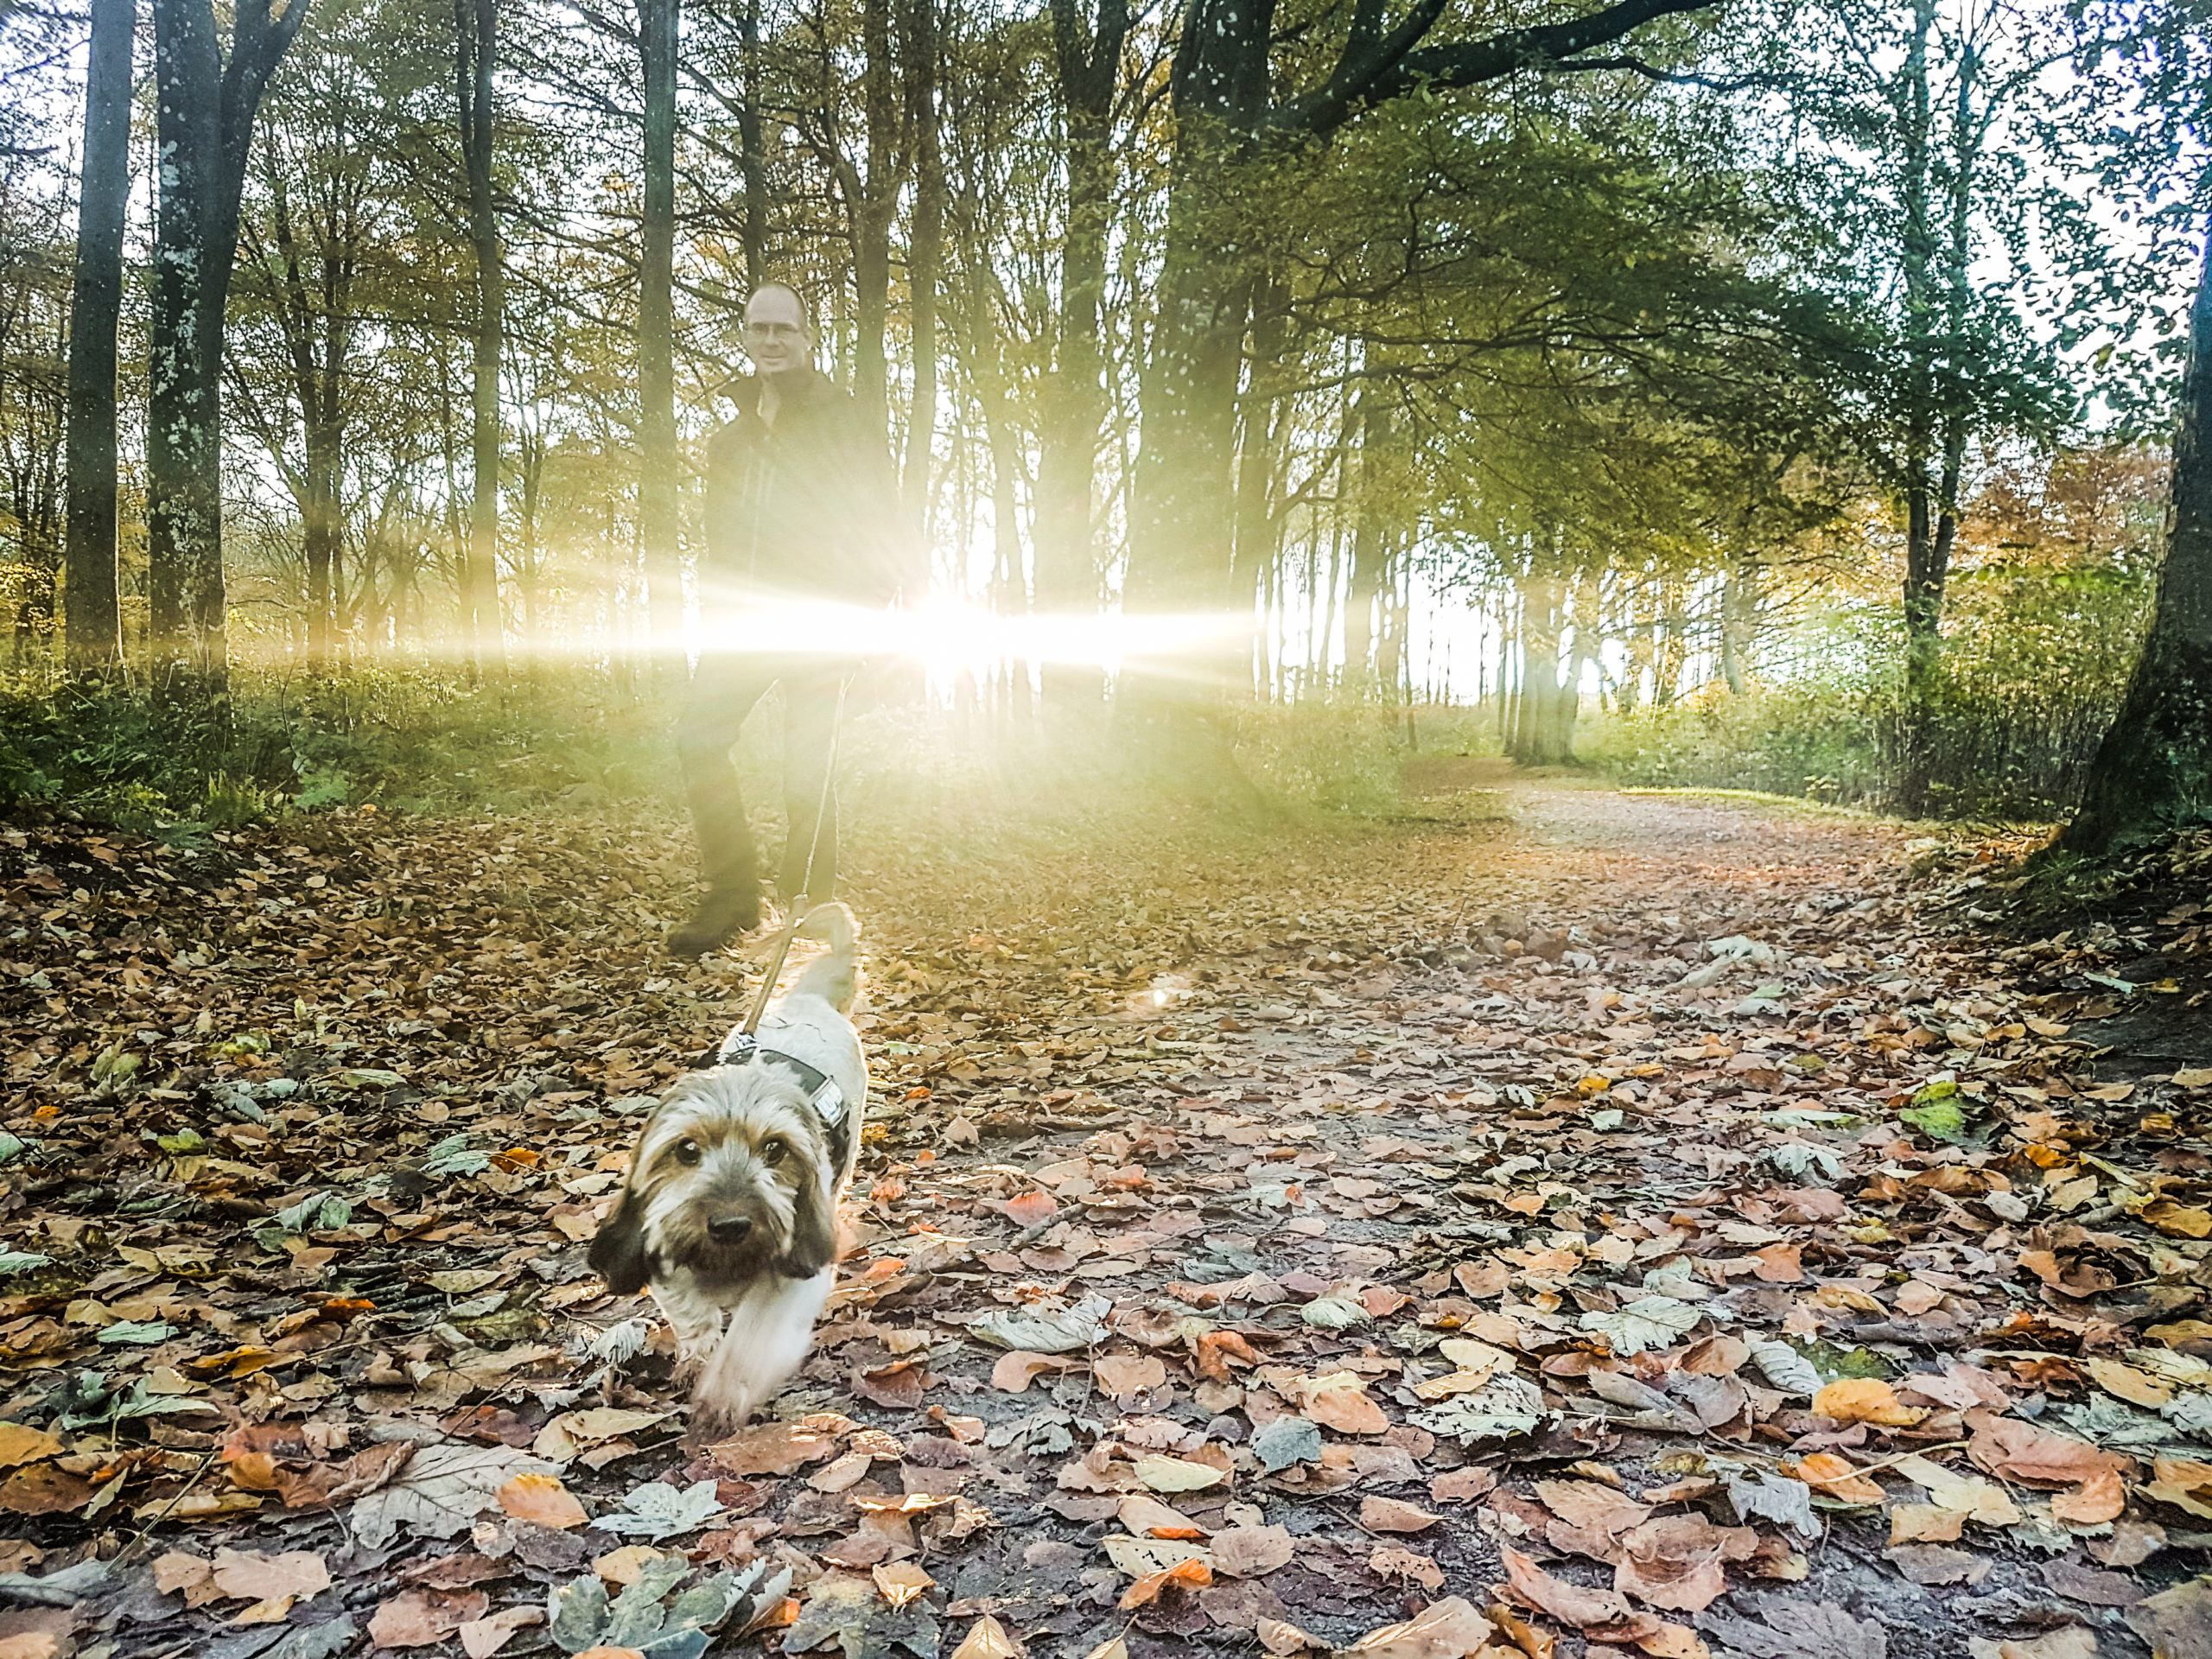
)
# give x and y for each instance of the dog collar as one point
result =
(741, 1047)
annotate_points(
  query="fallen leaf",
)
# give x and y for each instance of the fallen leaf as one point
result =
(901, 1582)
(2101, 1498)
(1147, 1517)
(1451, 1629)
(1126, 1375)
(1016, 1370)
(1165, 1474)
(1252, 1552)
(1396, 1561)
(420, 1618)
(542, 1501)
(1388, 1514)
(2176, 1623)
(440, 1492)
(1864, 1400)
(986, 1639)
(1836, 1477)
(1192, 1574)
(1570, 1603)
(299, 1573)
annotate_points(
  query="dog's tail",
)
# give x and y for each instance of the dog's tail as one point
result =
(834, 976)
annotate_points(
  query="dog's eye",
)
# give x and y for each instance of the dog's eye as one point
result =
(687, 1151)
(772, 1154)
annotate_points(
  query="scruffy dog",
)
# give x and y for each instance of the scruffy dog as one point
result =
(730, 1209)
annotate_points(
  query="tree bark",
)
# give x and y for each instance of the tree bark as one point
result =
(1088, 59)
(2153, 770)
(92, 614)
(658, 513)
(476, 24)
(1375, 545)
(873, 211)
(204, 115)
(925, 252)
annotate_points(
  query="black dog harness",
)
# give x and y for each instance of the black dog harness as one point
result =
(741, 1047)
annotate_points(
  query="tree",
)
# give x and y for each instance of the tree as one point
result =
(92, 615)
(476, 36)
(205, 109)
(659, 23)
(1227, 121)
(1088, 60)
(2153, 770)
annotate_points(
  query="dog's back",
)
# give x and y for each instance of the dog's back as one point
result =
(834, 976)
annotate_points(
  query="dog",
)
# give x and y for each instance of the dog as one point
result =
(729, 1212)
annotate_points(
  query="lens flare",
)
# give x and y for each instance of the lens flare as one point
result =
(953, 637)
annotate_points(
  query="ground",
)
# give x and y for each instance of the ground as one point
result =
(1636, 1223)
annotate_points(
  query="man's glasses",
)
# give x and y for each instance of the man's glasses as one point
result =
(774, 331)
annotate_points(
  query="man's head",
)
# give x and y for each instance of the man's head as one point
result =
(777, 338)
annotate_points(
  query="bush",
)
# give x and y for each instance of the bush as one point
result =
(2034, 666)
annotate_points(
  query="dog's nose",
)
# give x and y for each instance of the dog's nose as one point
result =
(729, 1229)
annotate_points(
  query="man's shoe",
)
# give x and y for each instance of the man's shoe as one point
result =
(721, 916)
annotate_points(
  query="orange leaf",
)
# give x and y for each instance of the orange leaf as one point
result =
(541, 1499)
(1864, 1400)
(1194, 1574)
(1031, 1208)
(2099, 1498)
(1824, 1471)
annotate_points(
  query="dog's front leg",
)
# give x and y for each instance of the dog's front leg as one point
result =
(769, 1334)
(697, 1321)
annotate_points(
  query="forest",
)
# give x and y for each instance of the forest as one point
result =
(1769, 396)
(1509, 707)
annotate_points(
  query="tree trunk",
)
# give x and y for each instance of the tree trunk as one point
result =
(93, 618)
(659, 515)
(1374, 543)
(1739, 614)
(477, 24)
(204, 110)
(924, 252)
(2153, 770)
(1089, 61)
(873, 211)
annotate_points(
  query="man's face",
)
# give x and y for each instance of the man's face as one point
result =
(776, 336)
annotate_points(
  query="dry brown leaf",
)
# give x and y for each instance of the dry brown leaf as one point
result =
(20, 1444)
(900, 1582)
(1674, 1561)
(773, 1449)
(2136, 1388)
(1283, 1639)
(299, 1573)
(1925, 1523)
(1126, 1376)
(482, 1637)
(1451, 1629)
(2185, 1483)
(1148, 1517)
(1864, 1400)
(986, 1639)
(1192, 1574)
(624, 1566)
(2101, 1498)
(1569, 1604)
(1341, 1403)
(2028, 1452)
(1595, 1508)
(1836, 1477)
(1462, 1485)
(1388, 1514)
(420, 1618)
(1396, 1561)
(1252, 1552)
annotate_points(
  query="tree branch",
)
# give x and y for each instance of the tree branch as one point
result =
(1397, 66)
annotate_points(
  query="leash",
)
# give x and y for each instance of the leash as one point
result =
(801, 902)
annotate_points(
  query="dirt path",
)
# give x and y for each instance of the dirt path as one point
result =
(1387, 1214)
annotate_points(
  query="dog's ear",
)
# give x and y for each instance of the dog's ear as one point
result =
(814, 1232)
(618, 1249)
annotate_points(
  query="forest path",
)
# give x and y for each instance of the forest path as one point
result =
(1386, 1212)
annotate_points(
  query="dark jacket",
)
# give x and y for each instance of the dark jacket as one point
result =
(807, 508)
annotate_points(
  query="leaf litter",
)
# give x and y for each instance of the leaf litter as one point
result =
(1651, 1223)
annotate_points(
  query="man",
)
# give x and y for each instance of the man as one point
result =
(801, 506)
